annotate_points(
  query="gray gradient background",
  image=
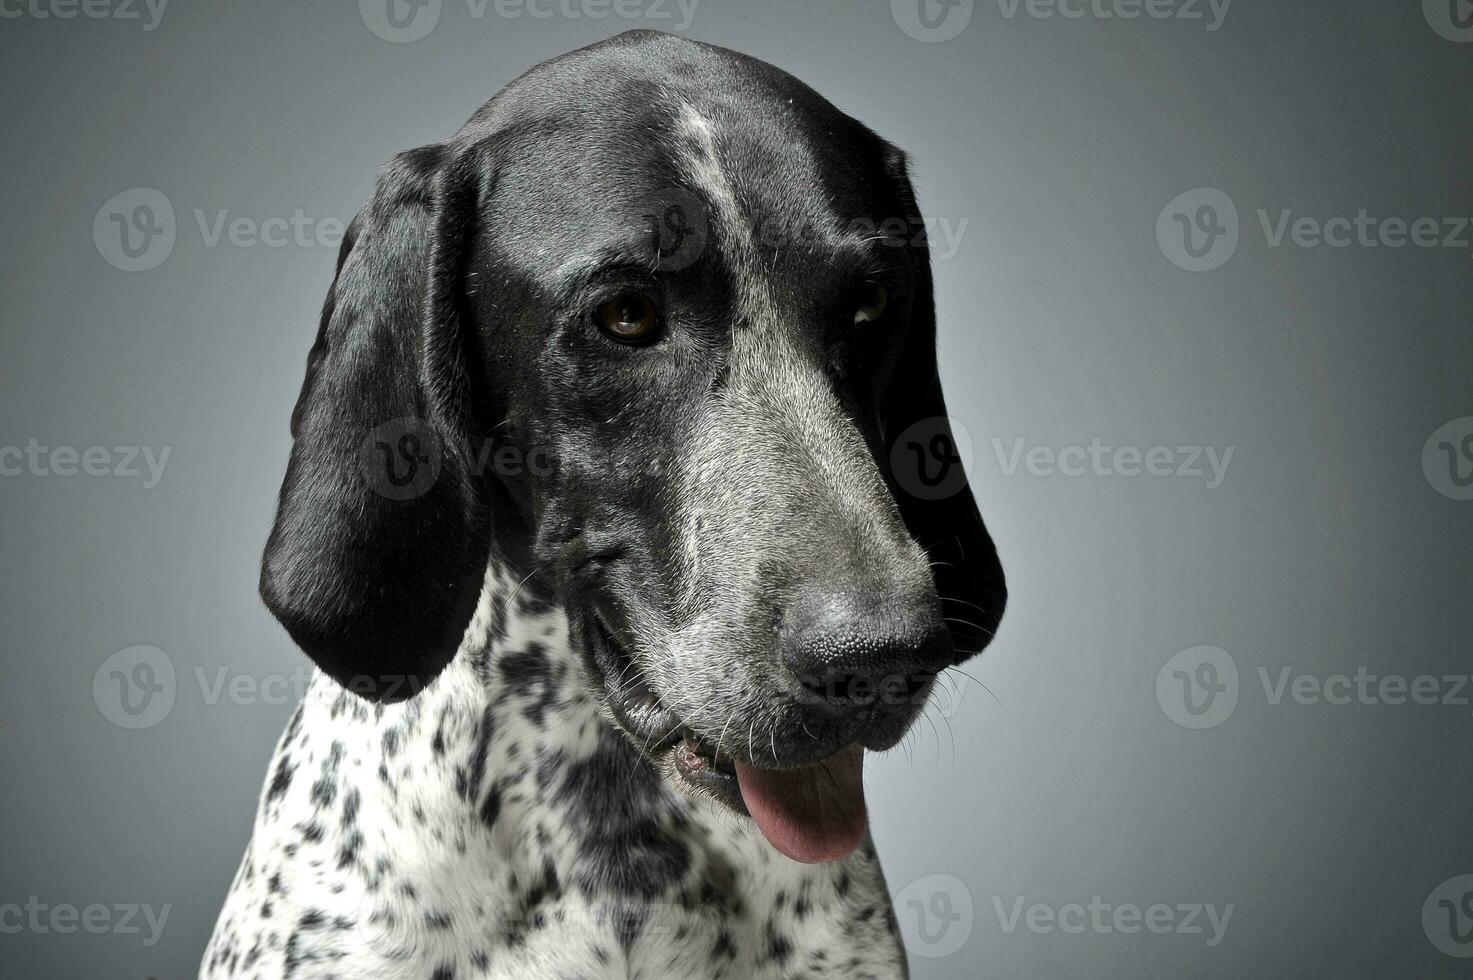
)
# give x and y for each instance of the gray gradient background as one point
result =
(1059, 142)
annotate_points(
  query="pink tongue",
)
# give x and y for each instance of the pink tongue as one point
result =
(813, 814)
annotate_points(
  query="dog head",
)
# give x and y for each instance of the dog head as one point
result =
(655, 329)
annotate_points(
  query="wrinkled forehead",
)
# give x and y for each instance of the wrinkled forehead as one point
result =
(670, 186)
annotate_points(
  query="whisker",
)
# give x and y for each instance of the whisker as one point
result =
(722, 737)
(525, 579)
(979, 684)
(947, 598)
(934, 731)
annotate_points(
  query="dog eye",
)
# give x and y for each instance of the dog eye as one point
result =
(873, 306)
(628, 317)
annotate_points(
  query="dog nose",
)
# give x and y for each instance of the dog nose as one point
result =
(852, 651)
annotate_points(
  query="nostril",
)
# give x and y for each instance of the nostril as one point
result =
(849, 651)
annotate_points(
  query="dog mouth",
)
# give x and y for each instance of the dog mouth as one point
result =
(655, 730)
(810, 813)
(679, 751)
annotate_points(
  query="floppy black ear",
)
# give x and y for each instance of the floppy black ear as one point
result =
(926, 469)
(376, 559)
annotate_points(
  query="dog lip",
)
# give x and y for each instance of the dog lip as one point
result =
(638, 710)
(634, 706)
(708, 775)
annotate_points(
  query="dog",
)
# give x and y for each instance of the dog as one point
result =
(603, 525)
